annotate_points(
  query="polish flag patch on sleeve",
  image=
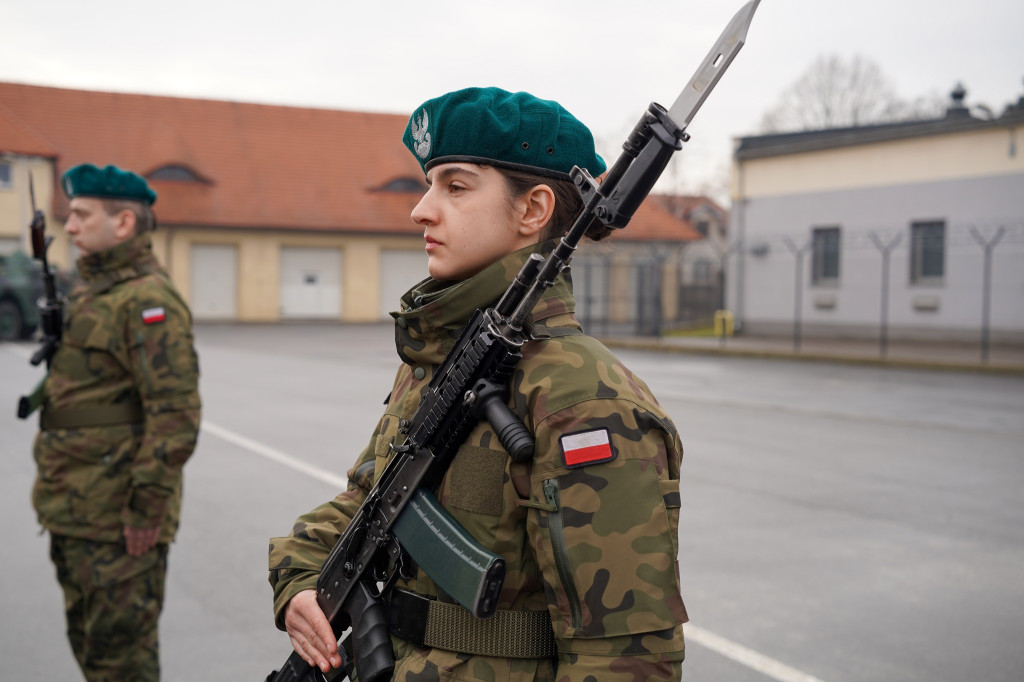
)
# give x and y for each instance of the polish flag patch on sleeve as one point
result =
(586, 447)
(153, 315)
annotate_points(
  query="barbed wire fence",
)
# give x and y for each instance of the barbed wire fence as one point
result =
(956, 239)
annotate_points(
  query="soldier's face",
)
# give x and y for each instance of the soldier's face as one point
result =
(468, 221)
(90, 228)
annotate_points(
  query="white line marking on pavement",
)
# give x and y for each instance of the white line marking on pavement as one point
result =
(24, 351)
(748, 657)
(721, 645)
(273, 455)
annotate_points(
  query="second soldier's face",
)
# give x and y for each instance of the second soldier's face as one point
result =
(468, 221)
(89, 226)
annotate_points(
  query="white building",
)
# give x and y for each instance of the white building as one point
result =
(915, 227)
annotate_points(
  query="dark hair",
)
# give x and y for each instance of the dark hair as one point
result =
(568, 203)
(145, 221)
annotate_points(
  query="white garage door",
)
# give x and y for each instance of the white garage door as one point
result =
(399, 270)
(310, 283)
(214, 281)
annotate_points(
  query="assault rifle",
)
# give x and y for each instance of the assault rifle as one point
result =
(399, 516)
(51, 306)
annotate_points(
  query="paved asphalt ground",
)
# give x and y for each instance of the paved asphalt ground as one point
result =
(839, 522)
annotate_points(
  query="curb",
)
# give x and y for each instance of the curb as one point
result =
(837, 358)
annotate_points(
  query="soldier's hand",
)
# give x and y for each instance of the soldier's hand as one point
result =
(138, 541)
(310, 631)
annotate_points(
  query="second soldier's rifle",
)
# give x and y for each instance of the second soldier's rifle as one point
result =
(400, 515)
(51, 306)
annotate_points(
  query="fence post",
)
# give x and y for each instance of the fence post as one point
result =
(658, 277)
(639, 275)
(723, 266)
(886, 250)
(986, 291)
(798, 296)
(588, 297)
(606, 318)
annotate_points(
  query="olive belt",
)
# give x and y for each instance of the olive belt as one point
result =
(425, 621)
(93, 415)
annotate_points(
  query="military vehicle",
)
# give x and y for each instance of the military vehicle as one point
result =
(20, 288)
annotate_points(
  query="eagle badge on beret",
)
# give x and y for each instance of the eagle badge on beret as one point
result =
(420, 135)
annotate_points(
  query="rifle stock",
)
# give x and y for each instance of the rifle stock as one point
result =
(27, 404)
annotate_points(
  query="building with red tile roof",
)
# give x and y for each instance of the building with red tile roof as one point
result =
(265, 212)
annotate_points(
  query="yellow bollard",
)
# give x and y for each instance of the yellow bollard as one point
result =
(723, 323)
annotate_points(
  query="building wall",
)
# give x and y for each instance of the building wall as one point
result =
(259, 260)
(710, 250)
(16, 206)
(257, 282)
(258, 274)
(991, 152)
(628, 287)
(971, 180)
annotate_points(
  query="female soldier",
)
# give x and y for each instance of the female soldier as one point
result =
(588, 528)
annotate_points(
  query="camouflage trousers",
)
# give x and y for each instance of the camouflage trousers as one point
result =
(112, 601)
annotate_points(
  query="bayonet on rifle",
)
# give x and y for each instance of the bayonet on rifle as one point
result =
(714, 65)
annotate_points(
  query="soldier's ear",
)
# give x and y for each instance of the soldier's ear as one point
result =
(536, 206)
(124, 224)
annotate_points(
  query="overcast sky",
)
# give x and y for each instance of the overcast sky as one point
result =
(603, 60)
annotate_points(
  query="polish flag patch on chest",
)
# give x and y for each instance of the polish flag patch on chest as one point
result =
(153, 315)
(586, 447)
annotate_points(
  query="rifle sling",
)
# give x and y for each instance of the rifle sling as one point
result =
(92, 415)
(425, 621)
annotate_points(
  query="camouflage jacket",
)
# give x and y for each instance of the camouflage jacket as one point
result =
(595, 545)
(127, 339)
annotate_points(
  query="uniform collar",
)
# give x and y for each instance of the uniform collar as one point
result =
(433, 313)
(125, 261)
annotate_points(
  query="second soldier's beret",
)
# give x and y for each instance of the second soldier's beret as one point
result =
(106, 183)
(495, 127)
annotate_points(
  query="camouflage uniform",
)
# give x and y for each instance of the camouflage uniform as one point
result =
(127, 345)
(595, 546)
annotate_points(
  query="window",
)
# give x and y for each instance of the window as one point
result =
(5, 174)
(825, 255)
(702, 227)
(702, 271)
(175, 172)
(404, 185)
(927, 251)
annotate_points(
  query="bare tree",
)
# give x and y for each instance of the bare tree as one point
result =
(837, 93)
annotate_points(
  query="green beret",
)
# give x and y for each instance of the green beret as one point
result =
(493, 127)
(108, 183)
